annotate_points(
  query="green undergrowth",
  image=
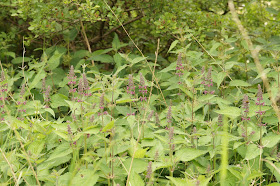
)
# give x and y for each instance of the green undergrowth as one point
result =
(192, 122)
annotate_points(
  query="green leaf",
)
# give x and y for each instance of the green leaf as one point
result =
(188, 154)
(116, 42)
(54, 61)
(253, 151)
(137, 60)
(85, 177)
(61, 151)
(138, 165)
(181, 181)
(36, 147)
(271, 140)
(265, 71)
(219, 78)
(49, 110)
(125, 100)
(39, 76)
(109, 126)
(62, 134)
(135, 179)
(172, 66)
(58, 100)
(239, 83)
(19, 60)
(104, 58)
(232, 112)
(213, 51)
(173, 44)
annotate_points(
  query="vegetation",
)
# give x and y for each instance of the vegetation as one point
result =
(152, 92)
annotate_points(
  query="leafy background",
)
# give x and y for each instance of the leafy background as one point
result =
(160, 101)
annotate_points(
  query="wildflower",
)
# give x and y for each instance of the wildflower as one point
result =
(169, 114)
(207, 80)
(71, 76)
(81, 87)
(157, 119)
(22, 90)
(246, 108)
(130, 88)
(149, 170)
(179, 67)
(43, 85)
(142, 88)
(101, 104)
(69, 130)
(150, 115)
(47, 96)
(220, 120)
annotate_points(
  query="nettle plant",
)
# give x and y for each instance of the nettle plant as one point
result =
(190, 123)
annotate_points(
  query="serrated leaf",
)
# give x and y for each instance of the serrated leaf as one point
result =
(49, 110)
(36, 147)
(264, 72)
(188, 154)
(229, 111)
(239, 83)
(138, 165)
(125, 100)
(58, 100)
(109, 126)
(62, 134)
(219, 78)
(137, 60)
(104, 58)
(136, 179)
(61, 151)
(19, 60)
(39, 76)
(54, 61)
(181, 181)
(172, 66)
(271, 140)
(173, 44)
(116, 42)
(253, 151)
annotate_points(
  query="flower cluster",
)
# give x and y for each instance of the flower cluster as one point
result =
(130, 88)
(207, 80)
(3, 90)
(47, 96)
(142, 88)
(71, 76)
(169, 114)
(245, 106)
(179, 67)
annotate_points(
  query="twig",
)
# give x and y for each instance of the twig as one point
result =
(255, 55)
(86, 39)
(12, 170)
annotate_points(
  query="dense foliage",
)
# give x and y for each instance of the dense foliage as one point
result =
(175, 97)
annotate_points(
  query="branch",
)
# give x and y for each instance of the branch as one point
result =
(255, 55)
(99, 37)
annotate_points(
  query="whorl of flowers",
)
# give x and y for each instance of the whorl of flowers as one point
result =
(71, 76)
(149, 170)
(130, 88)
(245, 106)
(47, 96)
(169, 114)
(179, 67)
(207, 80)
(142, 88)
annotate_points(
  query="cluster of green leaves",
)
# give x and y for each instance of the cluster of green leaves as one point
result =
(97, 141)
